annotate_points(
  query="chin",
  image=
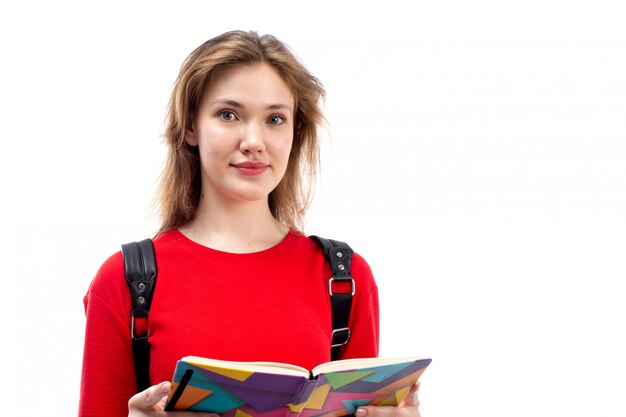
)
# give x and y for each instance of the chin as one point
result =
(251, 196)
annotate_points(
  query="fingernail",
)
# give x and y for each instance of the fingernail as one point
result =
(165, 388)
(361, 412)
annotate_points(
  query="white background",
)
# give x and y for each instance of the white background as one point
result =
(476, 157)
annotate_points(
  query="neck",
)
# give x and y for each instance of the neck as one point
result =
(235, 226)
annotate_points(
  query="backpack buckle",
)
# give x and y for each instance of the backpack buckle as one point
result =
(330, 285)
(342, 335)
(133, 335)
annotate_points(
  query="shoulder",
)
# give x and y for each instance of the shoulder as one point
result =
(108, 290)
(109, 284)
(359, 268)
(362, 274)
(109, 276)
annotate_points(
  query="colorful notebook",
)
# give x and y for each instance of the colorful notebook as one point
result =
(266, 389)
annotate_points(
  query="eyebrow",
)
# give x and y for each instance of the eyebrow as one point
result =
(235, 103)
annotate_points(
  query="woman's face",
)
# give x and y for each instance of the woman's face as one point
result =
(244, 132)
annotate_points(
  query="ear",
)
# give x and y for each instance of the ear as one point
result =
(190, 135)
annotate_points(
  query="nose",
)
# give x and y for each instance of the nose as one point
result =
(252, 139)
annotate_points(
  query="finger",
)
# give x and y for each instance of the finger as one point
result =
(189, 414)
(378, 411)
(409, 407)
(412, 398)
(147, 399)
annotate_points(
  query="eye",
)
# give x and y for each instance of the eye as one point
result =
(227, 115)
(276, 120)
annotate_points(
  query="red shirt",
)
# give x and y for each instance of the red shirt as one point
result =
(271, 305)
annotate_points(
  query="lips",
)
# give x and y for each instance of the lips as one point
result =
(250, 167)
(250, 164)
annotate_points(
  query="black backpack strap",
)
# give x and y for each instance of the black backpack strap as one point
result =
(339, 255)
(141, 272)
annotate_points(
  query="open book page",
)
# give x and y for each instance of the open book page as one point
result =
(358, 363)
(267, 367)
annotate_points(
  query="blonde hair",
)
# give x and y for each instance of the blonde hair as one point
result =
(179, 191)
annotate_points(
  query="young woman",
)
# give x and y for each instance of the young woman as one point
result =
(237, 280)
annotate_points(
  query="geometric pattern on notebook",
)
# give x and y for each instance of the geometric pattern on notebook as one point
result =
(333, 394)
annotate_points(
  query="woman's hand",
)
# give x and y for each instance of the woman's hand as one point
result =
(151, 403)
(407, 408)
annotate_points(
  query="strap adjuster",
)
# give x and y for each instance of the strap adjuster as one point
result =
(133, 335)
(330, 285)
(341, 334)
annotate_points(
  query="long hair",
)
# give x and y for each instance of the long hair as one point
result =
(179, 191)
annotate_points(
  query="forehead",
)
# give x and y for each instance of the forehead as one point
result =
(257, 83)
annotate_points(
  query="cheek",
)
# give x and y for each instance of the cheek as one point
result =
(286, 151)
(215, 149)
(284, 160)
(216, 139)
(284, 148)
